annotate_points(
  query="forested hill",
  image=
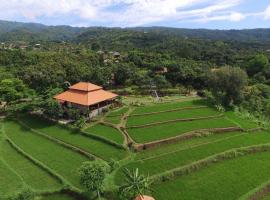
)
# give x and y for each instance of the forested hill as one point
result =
(31, 32)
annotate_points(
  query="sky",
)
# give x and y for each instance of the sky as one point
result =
(212, 14)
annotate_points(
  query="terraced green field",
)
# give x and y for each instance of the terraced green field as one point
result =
(226, 180)
(56, 157)
(162, 131)
(93, 146)
(166, 116)
(106, 132)
(9, 181)
(114, 117)
(38, 179)
(168, 106)
(170, 160)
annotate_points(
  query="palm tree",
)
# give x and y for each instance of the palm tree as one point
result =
(135, 184)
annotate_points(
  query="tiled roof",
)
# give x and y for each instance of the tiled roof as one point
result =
(144, 197)
(85, 96)
(84, 86)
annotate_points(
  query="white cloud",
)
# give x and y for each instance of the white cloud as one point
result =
(133, 13)
(267, 13)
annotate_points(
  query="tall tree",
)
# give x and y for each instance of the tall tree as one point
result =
(92, 175)
(227, 85)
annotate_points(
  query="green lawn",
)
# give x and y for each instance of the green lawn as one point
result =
(223, 181)
(166, 161)
(168, 106)
(62, 160)
(9, 181)
(148, 134)
(34, 176)
(106, 132)
(93, 146)
(161, 117)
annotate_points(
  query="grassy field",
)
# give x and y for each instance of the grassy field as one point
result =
(93, 146)
(226, 180)
(57, 197)
(38, 179)
(168, 106)
(152, 133)
(161, 117)
(56, 157)
(9, 181)
(114, 116)
(107, 132)
(166, 161)
(243, 123)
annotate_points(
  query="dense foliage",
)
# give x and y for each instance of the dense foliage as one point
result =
(142, 59)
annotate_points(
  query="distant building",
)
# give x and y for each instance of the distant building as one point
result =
(161, 70)
(116, 54)
(89, 98)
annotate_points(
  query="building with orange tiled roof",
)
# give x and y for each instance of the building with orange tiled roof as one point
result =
(144, 197)
(88, 97)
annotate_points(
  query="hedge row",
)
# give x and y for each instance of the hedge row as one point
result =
(195, 166)
(176, 120)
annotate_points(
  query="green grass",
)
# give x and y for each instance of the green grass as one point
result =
(244, 123)
(226, 180)
(148, 134)
(118, 112)
(10, 183)
(168, 106)
(166, 161)
(93, 146)
(185, 144)
(114, 117)
(161, 117)
(106, 132)
(57, 197)
(32, 175)
(62, 160)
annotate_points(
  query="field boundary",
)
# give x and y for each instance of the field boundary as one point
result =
(171, 110)
(258, 192)
(39, 164)
(62, 143)
(176, 120)
(185, 136)
(197, 165)
(82, 132)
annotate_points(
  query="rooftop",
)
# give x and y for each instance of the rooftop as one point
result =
(84, 86)
(85, 94)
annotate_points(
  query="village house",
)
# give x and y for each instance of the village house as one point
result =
(89, 98)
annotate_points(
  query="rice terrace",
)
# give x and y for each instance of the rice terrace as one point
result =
(188, 148)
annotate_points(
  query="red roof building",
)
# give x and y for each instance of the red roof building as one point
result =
(86, 95)
(144, 197)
